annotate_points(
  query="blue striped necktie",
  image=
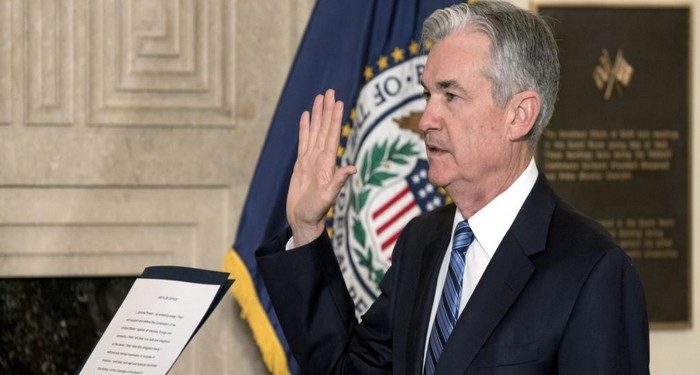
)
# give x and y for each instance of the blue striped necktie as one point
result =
(448, 309)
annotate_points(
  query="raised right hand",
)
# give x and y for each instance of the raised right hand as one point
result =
(316, 182)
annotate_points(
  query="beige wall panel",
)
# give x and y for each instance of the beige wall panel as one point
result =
(165, 63)
(91, 248)
(50, 61)
(5, 62)
(123, 156)
(120, 146)
(109, 231)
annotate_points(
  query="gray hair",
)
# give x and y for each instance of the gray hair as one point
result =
(523, 54)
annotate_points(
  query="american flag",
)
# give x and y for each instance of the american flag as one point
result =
(397, 206)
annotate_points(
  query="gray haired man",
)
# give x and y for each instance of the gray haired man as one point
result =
(507, 280)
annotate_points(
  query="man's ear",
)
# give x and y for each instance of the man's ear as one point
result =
(523, 109)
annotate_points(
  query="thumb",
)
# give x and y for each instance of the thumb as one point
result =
(341, 175)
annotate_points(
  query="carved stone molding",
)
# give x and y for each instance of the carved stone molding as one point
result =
(50, 40)
(160, 63)
(80, 231)
(5, 62)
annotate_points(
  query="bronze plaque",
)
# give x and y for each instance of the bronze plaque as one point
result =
(617, 147)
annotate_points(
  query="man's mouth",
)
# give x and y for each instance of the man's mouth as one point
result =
(432, 149)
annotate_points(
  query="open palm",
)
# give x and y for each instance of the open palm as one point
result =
(316, 181)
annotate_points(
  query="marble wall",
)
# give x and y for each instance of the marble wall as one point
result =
(50, 325)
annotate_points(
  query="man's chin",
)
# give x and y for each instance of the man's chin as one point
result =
(437, 179)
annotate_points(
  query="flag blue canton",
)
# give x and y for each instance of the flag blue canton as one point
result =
(425, 194)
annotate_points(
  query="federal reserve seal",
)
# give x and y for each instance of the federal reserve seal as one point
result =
(391, 186)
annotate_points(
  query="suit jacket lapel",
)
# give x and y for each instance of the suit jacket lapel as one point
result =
(504, 279)
(432, 255)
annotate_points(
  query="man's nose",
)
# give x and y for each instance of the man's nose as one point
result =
(429, 119)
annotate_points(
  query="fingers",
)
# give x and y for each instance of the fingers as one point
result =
(341, 175)
(303, 133)
(315, 124)
(326, 117)
(321, 129)
(333, 136)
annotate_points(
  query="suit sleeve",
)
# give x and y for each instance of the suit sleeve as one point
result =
(608, 331)
(317, 314)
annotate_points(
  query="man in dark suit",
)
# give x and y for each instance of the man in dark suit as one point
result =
(508, 279)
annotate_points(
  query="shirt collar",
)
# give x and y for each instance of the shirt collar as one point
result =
(491, 223)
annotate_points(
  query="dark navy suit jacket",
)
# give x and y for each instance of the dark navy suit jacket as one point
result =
(558, 297)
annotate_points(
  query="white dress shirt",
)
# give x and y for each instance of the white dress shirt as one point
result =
(489, 226)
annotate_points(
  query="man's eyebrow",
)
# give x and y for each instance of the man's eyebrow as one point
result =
(450, 83)
(446, 84)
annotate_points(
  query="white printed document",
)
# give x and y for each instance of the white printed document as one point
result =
(163, 310)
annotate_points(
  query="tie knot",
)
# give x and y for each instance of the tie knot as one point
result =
(463, 237)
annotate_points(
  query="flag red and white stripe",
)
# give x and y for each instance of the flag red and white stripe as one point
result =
(393, 213)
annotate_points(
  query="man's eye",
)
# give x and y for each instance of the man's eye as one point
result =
(426, 95)
(449, 96)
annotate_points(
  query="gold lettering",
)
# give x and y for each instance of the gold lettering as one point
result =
(610, 155)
